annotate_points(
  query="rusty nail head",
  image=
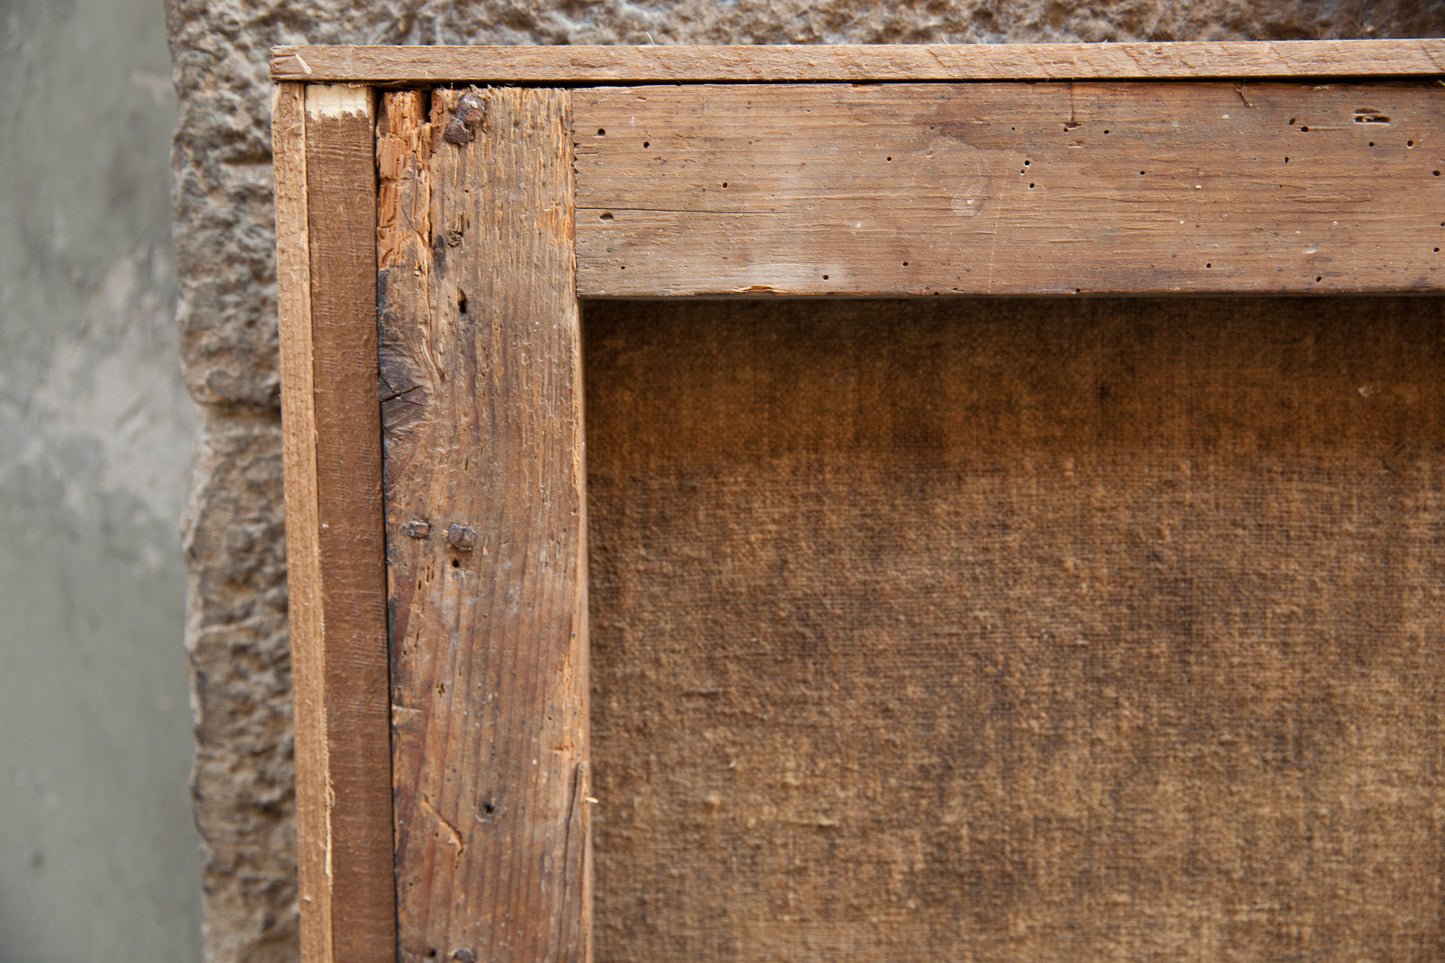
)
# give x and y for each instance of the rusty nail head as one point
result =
(462, 538)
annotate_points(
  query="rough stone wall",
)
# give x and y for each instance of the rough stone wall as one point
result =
(224, 240)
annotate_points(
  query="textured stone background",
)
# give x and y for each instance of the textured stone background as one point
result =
(224, 248)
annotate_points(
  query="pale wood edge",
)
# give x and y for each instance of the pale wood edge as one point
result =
(584, 629)
(587, 65)
(303, 553)
(580, 827)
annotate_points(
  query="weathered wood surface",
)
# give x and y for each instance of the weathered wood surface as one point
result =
(856, 62)
(325, 215)
(1021, 188)
(485, 519)
(1018, 630)
(303, 560)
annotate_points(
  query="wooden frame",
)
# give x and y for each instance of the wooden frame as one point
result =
(716, 172)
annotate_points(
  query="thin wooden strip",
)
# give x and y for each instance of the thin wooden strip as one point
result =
(857, 62)
(350, 656)
(481, 356)
(1010, 189)
(303, 557)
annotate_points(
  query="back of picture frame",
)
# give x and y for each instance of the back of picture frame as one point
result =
(695, 550)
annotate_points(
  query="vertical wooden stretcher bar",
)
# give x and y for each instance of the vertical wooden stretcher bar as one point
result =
(325, 218)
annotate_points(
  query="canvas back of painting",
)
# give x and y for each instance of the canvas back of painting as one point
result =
(1017, 629)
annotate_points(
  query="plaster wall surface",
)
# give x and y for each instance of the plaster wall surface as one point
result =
(98, 850)
(225, 256)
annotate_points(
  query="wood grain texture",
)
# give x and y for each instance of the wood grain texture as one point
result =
(1019, 188)
(336, 569)
(565, 65)
(481, 360)
(303, 558)
(1018, 630)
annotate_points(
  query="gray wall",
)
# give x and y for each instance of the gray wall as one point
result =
(98, 850)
